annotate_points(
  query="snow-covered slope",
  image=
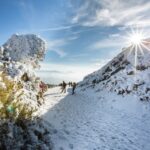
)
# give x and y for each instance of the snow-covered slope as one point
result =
(127, 73)
(92, 120)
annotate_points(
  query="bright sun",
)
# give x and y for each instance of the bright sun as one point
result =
(136, 38)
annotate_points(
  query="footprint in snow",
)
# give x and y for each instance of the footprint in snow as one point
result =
(111, 107)
(61, 148)
(67, 132)
(64, 125)
(71, 146)
(102, 139)
(54, 131)
(124, 134)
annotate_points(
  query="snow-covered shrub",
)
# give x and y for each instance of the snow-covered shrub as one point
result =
(18, 57)
(19, 87)
(10, 105)
(19, 129)
(24, 135)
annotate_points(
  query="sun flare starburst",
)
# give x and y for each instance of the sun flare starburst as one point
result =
(136, 39)
(138, 44)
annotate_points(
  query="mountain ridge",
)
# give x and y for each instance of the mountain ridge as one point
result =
(127, 73)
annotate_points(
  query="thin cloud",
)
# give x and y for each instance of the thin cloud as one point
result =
(107, 43)
(56, 28)
(60, 52)
(54, 71)
(117, 13)
(77, 57)
(56, 46)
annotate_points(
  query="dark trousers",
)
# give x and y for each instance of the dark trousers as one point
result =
(73, 89)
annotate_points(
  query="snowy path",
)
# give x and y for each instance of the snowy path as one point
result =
(88, 123)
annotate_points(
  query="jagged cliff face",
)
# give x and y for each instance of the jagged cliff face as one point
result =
(128, 73)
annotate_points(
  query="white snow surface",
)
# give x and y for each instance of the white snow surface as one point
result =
(96, 120)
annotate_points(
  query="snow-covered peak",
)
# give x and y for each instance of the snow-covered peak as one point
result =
(128, 72)
(27, 48)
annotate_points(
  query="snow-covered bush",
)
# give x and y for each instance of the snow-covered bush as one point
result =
(19, 89)
(24, 135)
(19, 129)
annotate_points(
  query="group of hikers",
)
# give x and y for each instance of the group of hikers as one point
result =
(64, 85)
(43, 88)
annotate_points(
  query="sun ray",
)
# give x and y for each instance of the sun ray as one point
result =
(141, 50)
(145, 46)
(130, 51)
(146, 41)
(138, 43)
(135, 59)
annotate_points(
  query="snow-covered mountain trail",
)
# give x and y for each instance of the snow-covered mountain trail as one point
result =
(92, 122)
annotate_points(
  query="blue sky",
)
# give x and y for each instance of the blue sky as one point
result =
(81, 35)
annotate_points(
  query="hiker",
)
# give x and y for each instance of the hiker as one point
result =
(63, 87)
(69, 84)
(42, 87)
(40, 97)
(73, 87)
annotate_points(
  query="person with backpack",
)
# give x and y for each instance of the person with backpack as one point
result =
(73, 87)
(63, 87)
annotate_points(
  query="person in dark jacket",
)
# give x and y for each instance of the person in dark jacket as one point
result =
(73, 87)
(69, 84)
(63, 87)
